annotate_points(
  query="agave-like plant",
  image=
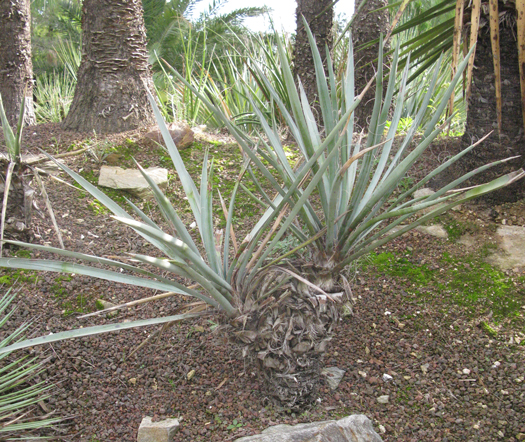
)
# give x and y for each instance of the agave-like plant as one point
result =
(13, 183)
(340, 202)
(16, 194)
(17, 395)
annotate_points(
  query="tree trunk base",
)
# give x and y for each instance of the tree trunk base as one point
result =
(482, 118)
(19, 209)
(285, 325)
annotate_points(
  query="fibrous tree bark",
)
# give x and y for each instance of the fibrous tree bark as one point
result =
(368, 26)
(16, 69)
(482, 116)
(319, 16)
(110, 95)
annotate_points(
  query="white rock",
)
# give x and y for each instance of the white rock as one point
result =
(355, 428)
(387, 377)
(162, 431)
(466, 371)
(383, 399)
(382, 429)
(425, 191)
(436, 230)
(132, 180)
(333, 376)
(511, 241)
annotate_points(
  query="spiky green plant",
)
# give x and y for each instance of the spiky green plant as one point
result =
(224, 79)
(54, 94)
(14, 188)
(12, 140)
(339, 202)
(17, 395)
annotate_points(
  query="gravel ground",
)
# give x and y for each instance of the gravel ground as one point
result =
(451, 380)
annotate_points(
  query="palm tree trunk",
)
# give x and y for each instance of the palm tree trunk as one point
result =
(16, 68)
(482, 118)
(319, 16)
(368, 26)
(110, 95)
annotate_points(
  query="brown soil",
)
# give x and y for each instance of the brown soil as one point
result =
(451, 380)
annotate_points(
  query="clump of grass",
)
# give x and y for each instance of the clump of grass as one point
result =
(488, 329)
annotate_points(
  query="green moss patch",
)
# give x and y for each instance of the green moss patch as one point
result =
(465, 281)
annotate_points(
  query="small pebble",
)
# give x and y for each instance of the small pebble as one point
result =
(383, 399)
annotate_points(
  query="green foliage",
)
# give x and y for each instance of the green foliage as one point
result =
(12, 139)
(235, 425)
(403, 126)
(99, 305)
(485, 326)
(53, 22)
(19, 391)
(177, 38)
(54, 94)
(233, 82)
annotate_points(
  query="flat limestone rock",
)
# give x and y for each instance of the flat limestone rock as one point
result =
(162, 431)
(425, 191)
(511, 244)
(354, 428)
(436, 230)
(132, 180)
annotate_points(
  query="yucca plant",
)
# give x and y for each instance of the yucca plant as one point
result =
(17, 394)
(54, 94)
(355, 188)
(340, 203)
(16, 194)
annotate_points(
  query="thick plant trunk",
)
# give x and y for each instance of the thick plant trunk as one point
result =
(110, 95)
(319, 16)
(16, 69)
(481, 115)
(285, 325)
(367, 27)
(19, 206)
